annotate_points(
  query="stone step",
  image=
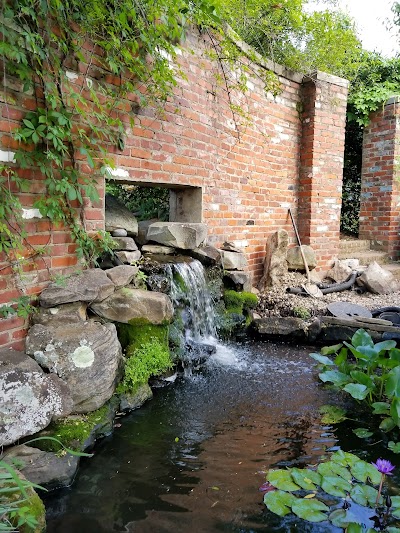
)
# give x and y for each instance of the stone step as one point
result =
(352, 245)
(366, 257)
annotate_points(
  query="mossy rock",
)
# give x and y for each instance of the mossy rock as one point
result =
(139, 332)
(240, 301)
(79, 432)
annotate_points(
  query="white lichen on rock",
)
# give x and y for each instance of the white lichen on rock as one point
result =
(83, 356)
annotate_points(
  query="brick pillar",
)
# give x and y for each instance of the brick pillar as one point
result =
(324, 100)
(380, 188)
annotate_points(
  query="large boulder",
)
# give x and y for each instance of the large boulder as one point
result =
(129, 304)
(206, 254)
(122, 275)
(124, 243)
(241, 281)
(91, 285)
(86, 356)
(378, 280)
(117, 216)
(128, 257)
(46, 469)
(233, 260)
(72, 313)
(275, 265)
(295, 260)
(143, 226)
(29, 398)
(339, 272)
(184, 235)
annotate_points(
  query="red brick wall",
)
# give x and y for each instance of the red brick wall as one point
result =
(380, 188)
(291, 150)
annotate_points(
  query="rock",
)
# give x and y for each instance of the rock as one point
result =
(353, 264)
(128, 304)
(184, 235)
(44, 468)
(128, 257)
(157, 249)
(86, 356)
(122, 275)
(29, 398)
(275, 265)
(119, 217)
(207, 255)
(119, 233)
(159, 283)
(295, 260)
(281, 326)
(134, 400)
(241, 280)
(339, 272)
(233, 260)
(73, 313)
(91, 285)
(125, 243)
(230, 247)
(378, 280)
(143, 226)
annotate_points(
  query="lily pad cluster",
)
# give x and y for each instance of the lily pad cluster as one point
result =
(342, 491)
(369, 372)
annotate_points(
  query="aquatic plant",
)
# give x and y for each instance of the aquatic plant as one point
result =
(369, 372)
(341, 491)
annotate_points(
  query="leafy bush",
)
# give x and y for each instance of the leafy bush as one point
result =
(145, 202)
(150, 359)
(367, 371)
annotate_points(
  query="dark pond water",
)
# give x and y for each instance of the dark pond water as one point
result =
(193, 458)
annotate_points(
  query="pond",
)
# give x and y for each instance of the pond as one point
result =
(193, 458)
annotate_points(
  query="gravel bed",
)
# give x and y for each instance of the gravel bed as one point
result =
(277, 302)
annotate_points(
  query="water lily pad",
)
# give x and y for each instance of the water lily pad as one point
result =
(330, 468)
(342, 518)
(364, 495)
(344, 458)
(395, 501)
(357, 390)
(335, 486)
(332, 414)
(387, 424)
(279, 502)
(310, 510)
(355, 528)
(282, 480)
(362, 433)
(393, 530)
(362, 471)
(306, 479)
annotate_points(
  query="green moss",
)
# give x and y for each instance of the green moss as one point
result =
(301, 312)
(240, 300)
(139, 331)
(74, 431)
(37, 509)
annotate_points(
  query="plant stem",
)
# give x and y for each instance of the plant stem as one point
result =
(380, 490)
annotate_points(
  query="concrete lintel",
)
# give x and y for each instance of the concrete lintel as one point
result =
(317, 75)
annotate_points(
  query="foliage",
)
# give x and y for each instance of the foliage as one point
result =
(301, 312)
(369, 372)
(150, 359)
(288, 34)
(240, 300)
(316, 495)
(144, 202)
(21, 306)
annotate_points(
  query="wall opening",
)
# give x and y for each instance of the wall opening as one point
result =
(162, 202)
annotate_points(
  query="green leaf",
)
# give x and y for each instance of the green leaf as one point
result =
(363, 470)
(305, 478)
(344, 458)
(337, 378)
(364, 495)
(342, 518)
(380, 408)
(329, 350)
(394, 446)
(354, 528)
(392, 385)
(335, 486)
(395, 410)
(279, 502)
(362, 433)
(395, 501)
(356, 390)
(361, 338)
(322, 359)
(362, 378)
(310, 510)
(387, 424)
(282, 479)
(331, 414)
(330, 468)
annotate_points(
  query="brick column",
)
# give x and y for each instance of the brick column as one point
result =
(380, 188)
(324, 99)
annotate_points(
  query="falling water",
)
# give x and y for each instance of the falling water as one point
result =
(189, 288)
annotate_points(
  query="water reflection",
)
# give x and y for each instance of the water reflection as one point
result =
(193, 458)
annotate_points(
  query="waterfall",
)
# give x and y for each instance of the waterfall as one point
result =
(189, 288)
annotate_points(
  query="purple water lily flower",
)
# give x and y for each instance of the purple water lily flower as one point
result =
(384, 466)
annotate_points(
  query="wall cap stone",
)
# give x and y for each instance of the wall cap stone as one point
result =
(318, 75)
(395, 99)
